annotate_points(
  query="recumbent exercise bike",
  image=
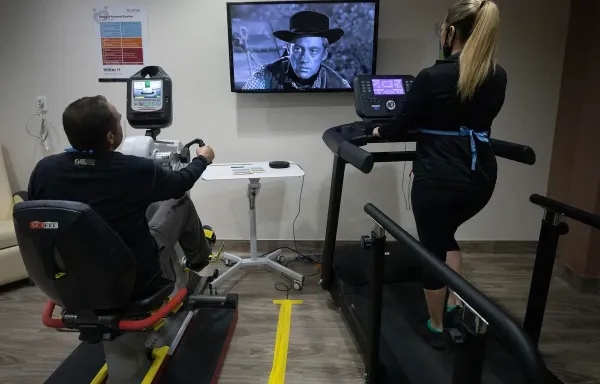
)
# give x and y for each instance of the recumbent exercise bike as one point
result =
(83, 266)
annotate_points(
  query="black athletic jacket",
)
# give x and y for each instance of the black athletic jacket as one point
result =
(119, 188)
(433, 103)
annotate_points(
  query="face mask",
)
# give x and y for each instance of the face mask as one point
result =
(447, 51)
(447, 48)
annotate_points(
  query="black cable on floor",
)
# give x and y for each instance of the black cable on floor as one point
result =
(286, 288)
(300, 257)
(307, 259)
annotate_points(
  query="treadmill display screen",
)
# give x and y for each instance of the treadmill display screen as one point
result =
(387, 87)
(147, 95)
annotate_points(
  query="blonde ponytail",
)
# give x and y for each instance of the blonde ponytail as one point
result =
(478, 55)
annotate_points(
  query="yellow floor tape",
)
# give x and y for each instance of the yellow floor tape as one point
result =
(101, 375)
(282, 341)
(159, 354)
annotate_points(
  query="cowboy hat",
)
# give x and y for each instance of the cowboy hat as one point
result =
(309, 23)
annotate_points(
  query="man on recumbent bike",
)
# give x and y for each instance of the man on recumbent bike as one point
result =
(142, 202)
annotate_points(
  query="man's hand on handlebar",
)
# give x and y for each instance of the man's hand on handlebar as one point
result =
(207, 152)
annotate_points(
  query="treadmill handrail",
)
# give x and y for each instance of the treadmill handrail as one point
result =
(350, 150)
(515, 152)
(566, 210)
(519, 342)
(358, 157)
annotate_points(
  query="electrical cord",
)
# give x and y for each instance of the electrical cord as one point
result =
(286, 288)
(406, 200)
(298, 214)
(300, 256)
(283, 287)
(45, 127)
(410, 184)
(43, 132)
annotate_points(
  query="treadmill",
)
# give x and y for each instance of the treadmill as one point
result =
(404, 357)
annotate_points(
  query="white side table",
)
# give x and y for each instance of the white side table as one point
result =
(260, 170)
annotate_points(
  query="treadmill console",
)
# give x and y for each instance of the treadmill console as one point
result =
(379, 97)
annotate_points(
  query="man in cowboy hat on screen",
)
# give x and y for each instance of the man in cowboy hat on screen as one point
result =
(308, 42)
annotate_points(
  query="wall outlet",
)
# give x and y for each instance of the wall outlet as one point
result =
(41, 104)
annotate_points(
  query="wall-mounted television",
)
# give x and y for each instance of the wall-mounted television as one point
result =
(301, 46)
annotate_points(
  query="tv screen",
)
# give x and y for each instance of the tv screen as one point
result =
(301, 46)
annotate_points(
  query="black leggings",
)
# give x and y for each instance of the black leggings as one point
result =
(439, 210)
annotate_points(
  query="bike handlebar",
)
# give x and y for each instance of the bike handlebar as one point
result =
(123, 325)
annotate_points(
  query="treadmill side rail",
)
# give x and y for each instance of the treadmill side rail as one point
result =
(377, 262)
(517, 341)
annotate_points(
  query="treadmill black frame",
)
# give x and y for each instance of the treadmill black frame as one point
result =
(544, 257)
(335, 202)
(329, 280)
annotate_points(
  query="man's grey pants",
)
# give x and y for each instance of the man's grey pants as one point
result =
(170, 222)
(173, 221)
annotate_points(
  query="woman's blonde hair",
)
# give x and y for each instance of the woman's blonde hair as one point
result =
(479, 51)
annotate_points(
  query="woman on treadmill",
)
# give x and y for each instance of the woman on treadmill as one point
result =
(453, 104)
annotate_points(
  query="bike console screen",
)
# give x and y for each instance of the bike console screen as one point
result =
(379, 97)
(147, 95)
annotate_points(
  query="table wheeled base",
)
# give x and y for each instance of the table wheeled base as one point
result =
(272, 260)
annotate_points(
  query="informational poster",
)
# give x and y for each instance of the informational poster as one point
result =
(122, 38)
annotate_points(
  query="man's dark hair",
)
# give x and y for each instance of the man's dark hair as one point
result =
(87, 121)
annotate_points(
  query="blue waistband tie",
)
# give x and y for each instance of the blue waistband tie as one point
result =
(464, 132)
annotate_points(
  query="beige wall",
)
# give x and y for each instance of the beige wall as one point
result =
(51, 52)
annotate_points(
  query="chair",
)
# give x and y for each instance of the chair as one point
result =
(82, 265)
(11, 264)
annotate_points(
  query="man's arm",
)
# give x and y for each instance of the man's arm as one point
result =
(174, 184)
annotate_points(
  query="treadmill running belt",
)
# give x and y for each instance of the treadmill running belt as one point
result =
(350, 263)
